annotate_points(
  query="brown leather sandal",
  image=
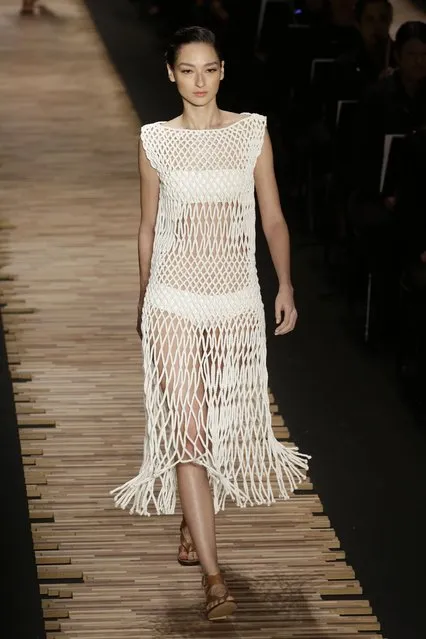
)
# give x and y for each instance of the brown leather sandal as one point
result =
(187, 545)
(220, 604)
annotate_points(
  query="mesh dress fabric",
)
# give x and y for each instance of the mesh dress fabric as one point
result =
(203, 327)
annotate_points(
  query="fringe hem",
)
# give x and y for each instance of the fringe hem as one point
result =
(138, 494)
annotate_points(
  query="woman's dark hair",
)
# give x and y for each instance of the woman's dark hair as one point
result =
(189, 35)
(361, 5)
(413, 30)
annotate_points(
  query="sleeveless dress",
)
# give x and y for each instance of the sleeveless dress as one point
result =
(203, 327)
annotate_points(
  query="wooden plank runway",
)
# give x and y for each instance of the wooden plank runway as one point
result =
(69, 278)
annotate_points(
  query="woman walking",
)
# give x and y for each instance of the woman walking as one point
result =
(201, 317)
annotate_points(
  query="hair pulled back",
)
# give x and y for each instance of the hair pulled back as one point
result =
(190, 35)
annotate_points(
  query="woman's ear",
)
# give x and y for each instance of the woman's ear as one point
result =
(222, 70)
(170, 73)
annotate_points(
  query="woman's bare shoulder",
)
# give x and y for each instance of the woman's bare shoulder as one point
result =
(229, 117)
(175, 123)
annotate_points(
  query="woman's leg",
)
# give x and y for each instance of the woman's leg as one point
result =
(197, 507)
(194, 489)
(178, 351)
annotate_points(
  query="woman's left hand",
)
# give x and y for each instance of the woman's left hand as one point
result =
(284, 303)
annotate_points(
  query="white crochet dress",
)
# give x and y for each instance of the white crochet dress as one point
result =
(203, 326)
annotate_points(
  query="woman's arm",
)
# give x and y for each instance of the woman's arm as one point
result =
(276, 233)
(273, 222)
(149, 196)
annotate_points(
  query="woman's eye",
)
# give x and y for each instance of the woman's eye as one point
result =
(211, 70)
(186, 71)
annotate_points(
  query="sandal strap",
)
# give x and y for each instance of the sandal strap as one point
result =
(215, 599)
(186, 544)
(212, 580)
(188, 547)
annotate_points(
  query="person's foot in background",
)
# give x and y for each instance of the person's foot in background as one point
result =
(28, 7)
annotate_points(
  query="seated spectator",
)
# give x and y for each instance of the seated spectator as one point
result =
(396, 104)
(361, 66)
(353, 73)
(372, 56)
(328, 38)
(338, 33)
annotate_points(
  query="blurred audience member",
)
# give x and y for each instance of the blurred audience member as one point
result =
(338, 34)
(373, 54)
(354, 72)
(396, 104)
(358, 68)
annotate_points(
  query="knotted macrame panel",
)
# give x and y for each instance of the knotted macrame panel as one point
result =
(203, 328)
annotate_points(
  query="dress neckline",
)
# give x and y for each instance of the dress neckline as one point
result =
(246, 116)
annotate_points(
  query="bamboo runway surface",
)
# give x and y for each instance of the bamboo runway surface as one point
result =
(69, 282)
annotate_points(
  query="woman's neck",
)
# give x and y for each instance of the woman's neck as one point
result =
(207, 117)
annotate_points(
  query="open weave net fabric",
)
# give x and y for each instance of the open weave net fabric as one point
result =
(203, 327)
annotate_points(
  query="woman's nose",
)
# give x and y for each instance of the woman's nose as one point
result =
(199, 80)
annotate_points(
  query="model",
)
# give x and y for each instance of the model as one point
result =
(201, 317)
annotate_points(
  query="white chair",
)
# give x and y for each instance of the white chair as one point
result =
(316, 62)
(262, 11)
(340, 107)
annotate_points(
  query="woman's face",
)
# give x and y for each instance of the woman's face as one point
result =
(197, 73)
(412, 60)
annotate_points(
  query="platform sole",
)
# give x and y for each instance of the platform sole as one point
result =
(222, 610)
